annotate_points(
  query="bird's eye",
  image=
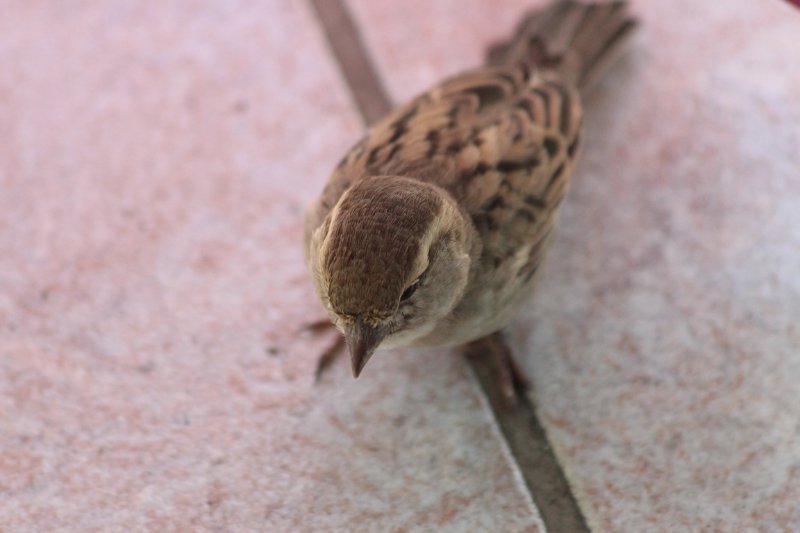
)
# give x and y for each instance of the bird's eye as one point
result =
(409, 291)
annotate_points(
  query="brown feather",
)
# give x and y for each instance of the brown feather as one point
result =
(374, 242)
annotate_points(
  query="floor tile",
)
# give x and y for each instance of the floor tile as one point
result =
(415, 43)
(663, 341)
(156, 166)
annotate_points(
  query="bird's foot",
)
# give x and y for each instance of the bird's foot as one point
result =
(318, 326)
(332, 352)
(511, 379)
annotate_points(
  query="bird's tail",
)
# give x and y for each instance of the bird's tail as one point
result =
(578, 41)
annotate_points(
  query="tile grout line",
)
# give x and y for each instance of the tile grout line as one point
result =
(520, 426)
(351, 55)
(527, 440)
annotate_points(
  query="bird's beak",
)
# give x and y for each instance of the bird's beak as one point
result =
(362, 339)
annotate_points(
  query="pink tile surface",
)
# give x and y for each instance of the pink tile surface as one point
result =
(664, 340)
(154, 169)
(415, 43)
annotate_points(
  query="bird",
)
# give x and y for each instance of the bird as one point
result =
(432, 228)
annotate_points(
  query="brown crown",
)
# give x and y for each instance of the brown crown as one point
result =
(373, 243)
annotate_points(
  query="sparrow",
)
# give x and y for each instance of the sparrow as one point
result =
(432, 228)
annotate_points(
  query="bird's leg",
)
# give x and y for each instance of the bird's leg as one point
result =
(319, 326)
(332, 352)
(510, 377)
(329, 356)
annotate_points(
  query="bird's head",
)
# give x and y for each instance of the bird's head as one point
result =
(390, 262)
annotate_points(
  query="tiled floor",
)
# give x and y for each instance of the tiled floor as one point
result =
(156, 163)
(152, 378)
(664, 340)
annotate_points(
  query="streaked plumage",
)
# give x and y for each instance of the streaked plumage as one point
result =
(432, 228)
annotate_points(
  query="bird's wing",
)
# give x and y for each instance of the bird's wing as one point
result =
(501, 140)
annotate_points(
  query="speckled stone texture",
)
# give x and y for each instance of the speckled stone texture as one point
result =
(156, 160)
(664, 341)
